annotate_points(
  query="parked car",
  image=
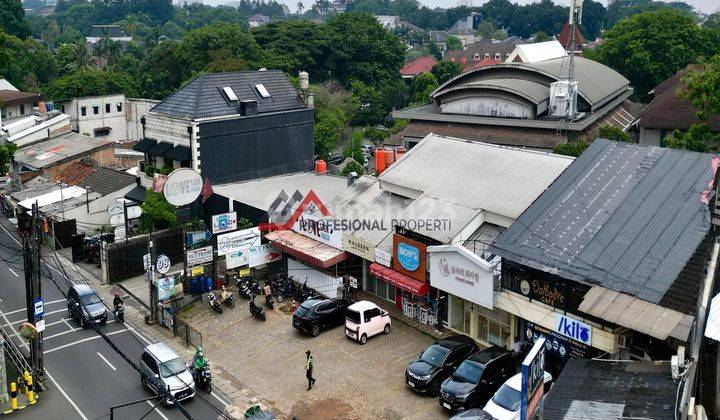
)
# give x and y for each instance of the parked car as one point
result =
(472, 414)
(505, 404)
(477, 378)
(437, 362)
(364, 319)
(368, 149)
(85, 305)
(317, 313)
(161, 362)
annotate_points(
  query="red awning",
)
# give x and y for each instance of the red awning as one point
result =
(398, 279)
(306, 249)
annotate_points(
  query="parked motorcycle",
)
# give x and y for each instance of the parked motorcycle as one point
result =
(269, 302)
(119, 312)
(303, 293)
(256, 311)
(214, 303)
(203, 378)
(281, 288)
(243, 285)
(227, 298)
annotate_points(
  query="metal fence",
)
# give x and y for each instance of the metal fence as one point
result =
(190, 335)
(124, 259)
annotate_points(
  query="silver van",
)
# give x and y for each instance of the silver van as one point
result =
(161, 362)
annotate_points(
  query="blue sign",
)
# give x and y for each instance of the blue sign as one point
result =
(573, 328)
(166, 288)
(197, 237)
(533, 375)
(408, 256)
(39, 308)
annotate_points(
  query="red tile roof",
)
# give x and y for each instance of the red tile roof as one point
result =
(74, 173)
(418, 65)
(564, 37)
(482, 63)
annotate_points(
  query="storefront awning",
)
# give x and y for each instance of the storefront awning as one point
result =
(144, 145)
(160, 149)
(306, 249)
(137, 194)
(179, 154)
(400, 280)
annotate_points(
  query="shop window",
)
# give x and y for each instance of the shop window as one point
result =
(371, 281)
(391, 292)
(107, 108)
(382, 289)
(119, 106)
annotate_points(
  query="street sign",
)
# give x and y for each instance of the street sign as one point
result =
(197, 237)
(224, 222)
(199, 256)
(146, 262)
(196, 271)
(263, 254)
(117, 219)
(163, 264)
(39, 307)
(166, 288)
(132, 212)
(533, 375)
(120, 232)
(115, 208)
(40, 325)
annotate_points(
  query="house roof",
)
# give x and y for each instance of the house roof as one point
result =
(203, 96)
(113, 31)
(106, 181)
(438, 37)
(418, 65)
(669, 111)
(622, 216)
(482, 47)
(259, 17)
(74, 173)
(601, 389)
(5, 85)
(57, 149)
(14, 97)
(538, 51)
(564, 37)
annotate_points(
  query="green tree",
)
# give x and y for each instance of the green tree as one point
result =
(571, 148)
(6, 153)
(593, 19)
(27, 64)
(376, 135)
(712, 22)
(453, 43)
(698, 138)
(611, 132)
(12, 18)
(244, 223)
(446, 70)
(82, 60)
(434, 50)
(92, 82)
(372, 105)
(621, 9)
(541, 36)
(423, 85)
(648, 48)
(157, 213)
(354, 148)
(334, 108)
(352, 167)
(159, 73)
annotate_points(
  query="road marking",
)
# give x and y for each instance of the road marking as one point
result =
(13, 271)
(95, 337)
(219, 399)
(72, 329)
(67, 323)
(156, 409)
(10, 235)
(143, 338)
(44, 314)
(46, 304)
(106, 361)
(62, 391)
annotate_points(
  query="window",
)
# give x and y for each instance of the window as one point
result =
(150, 363)
(83, 111)
(96, 109)
(487, 55)
(107, 108)
(230, 94)
(353, 316)
(119, 106)
(497, 56)
(367, 315)
(62, 108)
(22, 109)
(262, 91)
(476, 57)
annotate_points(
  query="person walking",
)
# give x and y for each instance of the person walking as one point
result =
(309, 370)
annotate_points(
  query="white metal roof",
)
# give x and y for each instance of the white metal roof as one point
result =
(539, 51)
(53, 197)
(5, 85)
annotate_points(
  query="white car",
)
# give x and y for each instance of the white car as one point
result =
(364, 319)
(505, 404)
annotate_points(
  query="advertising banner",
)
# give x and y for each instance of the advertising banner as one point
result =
(263, 254)
(236, 258)
(533, 374)
(235, 241)
(358, 246)
(166, 288)
(410, 257)
(199, 256)
(225, 222)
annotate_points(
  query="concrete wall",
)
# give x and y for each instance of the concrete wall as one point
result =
(488, 106)
(135, 109)
(167, 129)
(650, 136)
(97, 216)
(104, 156)
(14, 111)
(86, 124)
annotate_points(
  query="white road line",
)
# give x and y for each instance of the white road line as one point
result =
(46, 304)
(66, 323)
(106, 360)
(95, 337)
(62, 391)
(10, 235)
(13, 271)
(143, 338)
(219, 399)
(156, 409)
(23, 320)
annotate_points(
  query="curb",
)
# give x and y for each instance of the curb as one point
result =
(132, 295)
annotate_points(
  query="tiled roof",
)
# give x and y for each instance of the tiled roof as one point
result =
(106, 181)
(482, 63)
(75, 173)
(14, 97)
(203, 97)
(564, 37)
(668, 111)
(418, 65)
(624, 217)
(481, 48)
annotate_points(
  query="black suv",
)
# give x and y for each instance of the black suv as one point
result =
(477, 378)
(319, 313)
(437, 362)
(85, 305)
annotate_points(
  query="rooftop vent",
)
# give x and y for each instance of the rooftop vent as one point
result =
(230, 94)
(262, 91)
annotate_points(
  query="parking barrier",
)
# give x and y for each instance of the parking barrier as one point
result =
(30, 391)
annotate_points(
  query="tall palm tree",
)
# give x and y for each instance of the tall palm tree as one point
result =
(114, 54)
(300, 7)
(101, 47)
(130, 25)
(83, 60)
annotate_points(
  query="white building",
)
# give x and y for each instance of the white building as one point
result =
(539, 51)
(113, 33)
(389, 22)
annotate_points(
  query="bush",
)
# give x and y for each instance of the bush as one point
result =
(352, 167)
(571, 148)
(613, 133)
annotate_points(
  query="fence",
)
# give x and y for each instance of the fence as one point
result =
(191, 336)
(124, 259)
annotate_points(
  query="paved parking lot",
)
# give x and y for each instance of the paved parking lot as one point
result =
(353, 381)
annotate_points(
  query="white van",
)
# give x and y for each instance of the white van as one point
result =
(505, 404)
(365, 319)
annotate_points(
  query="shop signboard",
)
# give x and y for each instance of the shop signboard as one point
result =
(383, 258)
(573, 328)
(196, 271)
(410, 257)
(235, 241)
(225, 222)
(162, 264)
(319, 229)
(456, 270)
(559, 346)
(166, 288)
(533, 374)
(263, 254)
(237, 258)
(182, 186)
(199, 256)
(358, 246)
(197, 237)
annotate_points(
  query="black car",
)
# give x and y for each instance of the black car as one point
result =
(85, 305)
(316, 314)
(477, 378)
(437, 362)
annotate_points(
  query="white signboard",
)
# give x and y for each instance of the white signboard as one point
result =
(458, 271)
(146, 262)
(573, 328)
(120, 232)
(163, 264)
(182, 186)
(263, 254)
(40, 325)
(166, 288)
(358, 246)
(235, 241)
(237, 258)
(383, 258)
(318, 229)
(199, 256)
(117, 220)
(115, 208)
(224, 222)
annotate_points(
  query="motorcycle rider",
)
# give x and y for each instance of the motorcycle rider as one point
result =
(117, 300)
(199, 363)
(223, 294)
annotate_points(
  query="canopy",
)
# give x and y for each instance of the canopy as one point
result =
(398, 279)
(306, 249)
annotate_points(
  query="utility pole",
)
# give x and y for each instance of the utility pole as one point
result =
(33, 289)
(151, 280)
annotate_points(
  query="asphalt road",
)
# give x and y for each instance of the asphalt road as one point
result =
(84, 375)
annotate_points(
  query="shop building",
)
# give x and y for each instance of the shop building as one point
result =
(609, 260)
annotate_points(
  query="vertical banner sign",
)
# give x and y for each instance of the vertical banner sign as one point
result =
(533, 375)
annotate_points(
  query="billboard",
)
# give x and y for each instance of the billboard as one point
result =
(533, 373)
(409, 257)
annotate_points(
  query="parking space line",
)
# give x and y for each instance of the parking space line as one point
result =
(46, 304)
(13, 271)
(106, 360)
(62, 391)
(23, 320)
(219, 399)
(156, 409)
(95, 337)
(65, 320)
(72, 329)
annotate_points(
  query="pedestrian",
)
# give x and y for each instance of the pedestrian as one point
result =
(309, 370)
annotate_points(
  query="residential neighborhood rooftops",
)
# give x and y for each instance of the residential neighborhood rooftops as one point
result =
(113, 31)
(106, 180)
(538, 51)
(623, 217)
(203, 97)
(75, 173)
(56, 149)
(418, 65)
(13, 97)
(5, 85)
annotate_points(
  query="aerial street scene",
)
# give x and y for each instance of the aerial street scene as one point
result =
(360, 209)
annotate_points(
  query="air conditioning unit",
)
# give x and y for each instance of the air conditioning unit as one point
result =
(563, 98)
(624, 341)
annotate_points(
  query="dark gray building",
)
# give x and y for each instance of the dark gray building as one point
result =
(233, 126)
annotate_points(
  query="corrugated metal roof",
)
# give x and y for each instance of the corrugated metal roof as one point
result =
(531, 90)
(106, 181)
(623, 216)
(203, 98)
(65, 146)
